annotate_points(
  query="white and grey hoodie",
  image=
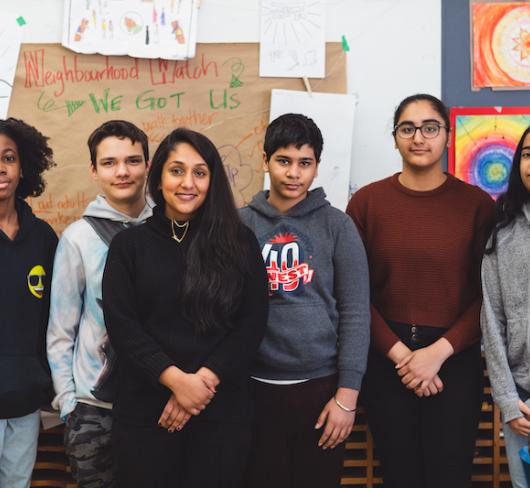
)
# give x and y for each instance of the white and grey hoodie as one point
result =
(77, 339)
(505, 316)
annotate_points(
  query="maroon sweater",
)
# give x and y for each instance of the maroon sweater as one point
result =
(424, 252)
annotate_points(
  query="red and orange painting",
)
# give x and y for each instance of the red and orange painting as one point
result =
(501, 44)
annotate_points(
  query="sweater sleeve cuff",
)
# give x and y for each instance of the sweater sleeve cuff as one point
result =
(66, 406)
(510, 410)
(217, 368)
(349, 378)
(454, 337)
(157, 364)
(384, 345)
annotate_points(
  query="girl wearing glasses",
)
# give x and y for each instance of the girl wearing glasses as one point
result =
(424, 233)
(505, 312)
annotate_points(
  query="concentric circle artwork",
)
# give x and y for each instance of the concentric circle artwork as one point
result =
(483, 144)
(511, 43)
(501, 44)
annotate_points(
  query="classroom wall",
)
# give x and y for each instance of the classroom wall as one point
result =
(395, 50)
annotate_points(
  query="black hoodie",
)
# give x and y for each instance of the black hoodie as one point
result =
(25, 276)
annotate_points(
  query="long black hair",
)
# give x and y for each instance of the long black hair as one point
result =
(510, 204)
(216, 258)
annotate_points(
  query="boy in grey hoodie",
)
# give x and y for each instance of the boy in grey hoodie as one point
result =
(309, 367)
(79, 353)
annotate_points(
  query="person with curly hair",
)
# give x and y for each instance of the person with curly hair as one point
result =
(27, 247)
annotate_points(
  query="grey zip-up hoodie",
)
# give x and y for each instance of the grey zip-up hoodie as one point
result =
(505, 316)
(319, 315)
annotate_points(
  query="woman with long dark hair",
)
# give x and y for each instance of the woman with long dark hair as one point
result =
(505, 317)
(185, 304)
(424, 232)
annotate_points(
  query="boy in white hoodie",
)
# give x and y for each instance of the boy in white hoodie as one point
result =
(79, 353)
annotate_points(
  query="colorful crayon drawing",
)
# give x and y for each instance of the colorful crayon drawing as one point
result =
(132, 23)
(80, 30)
(483, 141)
(164, 29)
(179, 33)
(501, 44)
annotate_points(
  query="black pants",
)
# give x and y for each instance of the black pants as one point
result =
(202, 455)
(425, 442)
(285, 452)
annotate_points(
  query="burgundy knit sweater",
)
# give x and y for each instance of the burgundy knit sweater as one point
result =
(424, 252)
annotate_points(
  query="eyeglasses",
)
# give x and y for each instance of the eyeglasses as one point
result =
(429, 130)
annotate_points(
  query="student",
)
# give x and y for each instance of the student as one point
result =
(505, 318)
(78, 349)
(424, 232)
(27, 245)
(309, 367)
(185, 303)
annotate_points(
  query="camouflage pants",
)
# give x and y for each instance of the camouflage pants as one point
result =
(87, 445)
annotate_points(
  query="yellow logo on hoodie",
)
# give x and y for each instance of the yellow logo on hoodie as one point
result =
(35, 281)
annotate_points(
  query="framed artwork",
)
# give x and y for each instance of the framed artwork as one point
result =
(483, 141)
(500, 40)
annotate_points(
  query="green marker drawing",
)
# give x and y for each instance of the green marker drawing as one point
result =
(345, 45)
(235, 82)
(21, 21)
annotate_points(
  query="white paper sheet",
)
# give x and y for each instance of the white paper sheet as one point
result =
(293, 38)
(334, 115)
(164, 29)
(10, 39)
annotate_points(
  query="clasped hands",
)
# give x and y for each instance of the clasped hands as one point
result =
(191, 393)
(419, 369)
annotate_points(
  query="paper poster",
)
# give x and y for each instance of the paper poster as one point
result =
(501, 44)
(483, 144)
(164, 29)
(219, 93)
(293, 38)
(334, 115)
(10, 39)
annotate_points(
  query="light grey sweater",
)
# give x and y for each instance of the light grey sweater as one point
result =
(505, 316)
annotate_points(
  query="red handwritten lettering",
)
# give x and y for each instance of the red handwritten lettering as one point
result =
(37, 73)
(163, 72)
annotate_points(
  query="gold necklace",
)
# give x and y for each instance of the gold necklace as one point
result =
(184, 226)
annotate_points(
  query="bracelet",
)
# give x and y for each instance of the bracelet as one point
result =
(344, 407)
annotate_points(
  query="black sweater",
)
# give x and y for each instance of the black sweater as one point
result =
(25, 277)
(149, 333)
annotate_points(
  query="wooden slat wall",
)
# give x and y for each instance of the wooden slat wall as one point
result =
(361, 466)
